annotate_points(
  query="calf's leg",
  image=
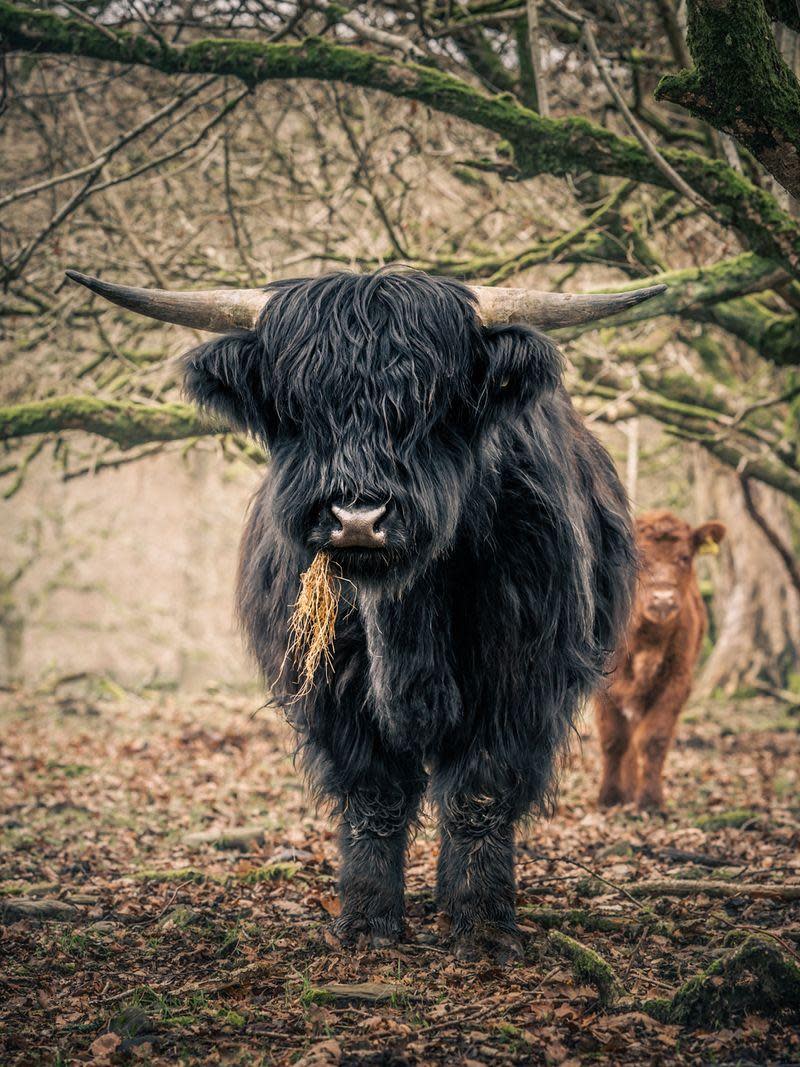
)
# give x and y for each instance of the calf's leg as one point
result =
(652, 739)
(619, 766)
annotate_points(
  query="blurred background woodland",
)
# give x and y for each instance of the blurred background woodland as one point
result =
(182, 144)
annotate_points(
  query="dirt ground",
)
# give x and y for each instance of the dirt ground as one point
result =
(125, 939)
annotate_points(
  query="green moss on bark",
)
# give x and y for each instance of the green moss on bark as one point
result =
(588, 966)
(755, 976)
(740, 83)
(125, 423)
(692, 288)
(775, 337)
(554, 146)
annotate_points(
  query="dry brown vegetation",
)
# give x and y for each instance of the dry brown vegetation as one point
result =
(313, 620)
(166, 889)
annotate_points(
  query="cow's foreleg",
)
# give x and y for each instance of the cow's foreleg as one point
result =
(375, 820)
(652, 739)
(618, 775)
(475, 876)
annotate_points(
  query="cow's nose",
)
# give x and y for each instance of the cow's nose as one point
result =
(664, 596)
(357, 527)
(663, 603)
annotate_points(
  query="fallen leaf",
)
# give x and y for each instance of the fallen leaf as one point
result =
(104, 1046)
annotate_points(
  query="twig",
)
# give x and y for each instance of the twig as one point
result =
(105, 153)
(635, 127)
(365, 179)
(534, 46)
(692, 887)
(111, 464)
(786, 695)
(552, 250)
(236, 228)
(759, 405)
(605, 881)
(170, 902)
(76, 11)
(370, 32)
(17, 265)
(121, 211)
(770, 532)
(186, 146)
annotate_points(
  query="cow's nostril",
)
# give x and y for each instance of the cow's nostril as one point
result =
(357, 527)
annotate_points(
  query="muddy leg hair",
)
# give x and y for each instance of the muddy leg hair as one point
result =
(475, 877)
(373, 836)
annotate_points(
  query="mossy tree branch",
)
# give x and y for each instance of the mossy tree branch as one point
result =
(775, 337)
(690, 407)
(541, 145)
(697, 409)
(754, 976)
(124, 422)
(690, 290)
(588, 966)
(740, 84)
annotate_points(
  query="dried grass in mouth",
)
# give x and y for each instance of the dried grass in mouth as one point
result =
(313, 620)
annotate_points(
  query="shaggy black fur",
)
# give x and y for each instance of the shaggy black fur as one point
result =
(475, 632)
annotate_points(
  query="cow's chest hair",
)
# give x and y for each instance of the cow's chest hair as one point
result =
(647, 665)
(414, 697)
(378, 650)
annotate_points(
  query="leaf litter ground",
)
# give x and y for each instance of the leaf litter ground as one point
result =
(166, 886)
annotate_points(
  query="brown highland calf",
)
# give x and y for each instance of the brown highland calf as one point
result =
(638, 708)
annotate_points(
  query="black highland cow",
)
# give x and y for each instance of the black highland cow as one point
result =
(486, 535)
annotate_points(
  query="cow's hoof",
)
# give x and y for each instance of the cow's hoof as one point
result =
(496, 942)
(611, 798)
(367, 932)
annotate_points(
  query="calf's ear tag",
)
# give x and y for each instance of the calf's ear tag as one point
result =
(709, 547)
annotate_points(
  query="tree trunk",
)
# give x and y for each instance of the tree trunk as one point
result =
(756, 610)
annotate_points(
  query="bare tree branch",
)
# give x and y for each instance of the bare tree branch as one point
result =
(758, 517)
(541, 145)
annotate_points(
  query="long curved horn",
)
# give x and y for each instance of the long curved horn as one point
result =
(216, 310)
(220, 310)
(546, 311)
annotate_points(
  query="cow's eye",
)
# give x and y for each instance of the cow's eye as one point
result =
(685, 560)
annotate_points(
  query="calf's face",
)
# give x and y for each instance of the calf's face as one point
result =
(667, 548)
(377, 396)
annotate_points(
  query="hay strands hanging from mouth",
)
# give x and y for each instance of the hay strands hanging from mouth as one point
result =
(313, 622)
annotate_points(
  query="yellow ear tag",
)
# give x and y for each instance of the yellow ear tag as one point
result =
(709, 547)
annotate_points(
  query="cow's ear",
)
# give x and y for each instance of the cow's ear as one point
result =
(706, 538)
(223, 377)
(522, 363)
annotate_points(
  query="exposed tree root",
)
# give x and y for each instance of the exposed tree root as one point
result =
(588, 966)
(591, 921)
(754, 976)
(678, 887)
